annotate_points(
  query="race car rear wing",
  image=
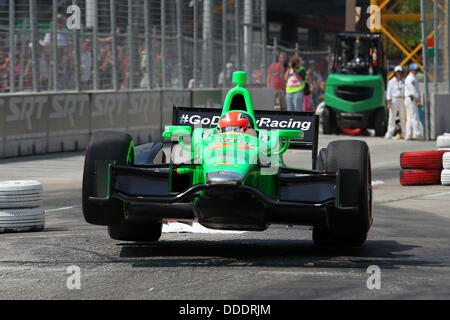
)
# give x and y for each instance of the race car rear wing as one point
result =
(265, 120)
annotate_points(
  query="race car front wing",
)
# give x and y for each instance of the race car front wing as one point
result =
(303, 194)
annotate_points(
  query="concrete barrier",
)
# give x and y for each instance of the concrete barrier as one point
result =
(179, 98)
(144, 116)
(25, 122)
(441, 114)
(37, 123)
(68, 122)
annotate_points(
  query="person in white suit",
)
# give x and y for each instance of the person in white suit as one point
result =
(412, 98)
(395, 102)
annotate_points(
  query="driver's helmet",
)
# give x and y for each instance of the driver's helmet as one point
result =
(234, 122)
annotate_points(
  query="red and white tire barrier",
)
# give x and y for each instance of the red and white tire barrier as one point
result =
(443, 141)
(445, 177)
(416, 177)
(422, 159)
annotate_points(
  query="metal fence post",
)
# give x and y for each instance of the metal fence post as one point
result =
(12, 54)
(248, 26)
(115, 75)
(55, 44)
(447, 14)
(77, 54)
(163, 42)
(180, 45)
(264, 36)
(436, 61)
(34, 58)
(425, 70)
(195, 66)
(237, 21)
(131, 50)
(224, 39)
(207, 43)
(275, 54)
(147, 44)
(95, 47)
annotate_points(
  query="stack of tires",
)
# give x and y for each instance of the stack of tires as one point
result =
(443, 141)
(20, 203)
(421, 167)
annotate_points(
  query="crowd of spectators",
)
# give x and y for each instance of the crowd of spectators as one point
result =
(66, 62)
(316, 71)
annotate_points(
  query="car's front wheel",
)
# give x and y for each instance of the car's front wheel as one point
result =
(345, 228)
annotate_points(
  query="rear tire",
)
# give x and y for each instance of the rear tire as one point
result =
(329, 121)
(104, 145)
(348, 228)
(142, 232)
(379, 122)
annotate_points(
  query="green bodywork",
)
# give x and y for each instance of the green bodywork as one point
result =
(234, 152)
(375, 82)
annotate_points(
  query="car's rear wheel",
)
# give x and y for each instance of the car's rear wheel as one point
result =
(328, 121)
(111, 146)
(379, 122)
(348, 228)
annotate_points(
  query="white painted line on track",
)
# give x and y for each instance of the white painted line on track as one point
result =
(437, 195)
(62, 209)
(307, 273)
(22, 236)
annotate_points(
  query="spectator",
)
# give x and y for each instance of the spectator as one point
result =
(295, 76)
(44, 70)
(4, 71)
(275, 80)
(105, 69)
(144, 67)
(321, 92)
(86, 64)
(226, 77)
(308, 105)
(62, 34)
(412, 99)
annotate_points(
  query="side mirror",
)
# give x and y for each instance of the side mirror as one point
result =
(291, 134)
(177, 131)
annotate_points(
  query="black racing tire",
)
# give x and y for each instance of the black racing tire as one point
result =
(379, 122)
(104, 145)
(348, 228)
(328, 121)
(138, 232)
(321, 163)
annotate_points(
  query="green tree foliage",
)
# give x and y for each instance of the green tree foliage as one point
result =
(409, 31)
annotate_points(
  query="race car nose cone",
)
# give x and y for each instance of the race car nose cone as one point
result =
(214, 178)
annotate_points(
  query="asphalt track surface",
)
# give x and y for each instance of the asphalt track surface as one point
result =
(409, 242)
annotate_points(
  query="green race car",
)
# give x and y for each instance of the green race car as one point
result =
(225, 169)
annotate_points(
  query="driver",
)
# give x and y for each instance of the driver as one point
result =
(235, 122)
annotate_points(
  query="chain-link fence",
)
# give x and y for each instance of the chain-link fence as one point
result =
(436, 36)
(436, 61)
(136, 44)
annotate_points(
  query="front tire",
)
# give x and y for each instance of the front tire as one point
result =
(348, 228)
(111, 146)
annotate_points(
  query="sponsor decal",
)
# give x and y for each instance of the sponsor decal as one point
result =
(262, 123)
(26, 109)
(265, 120)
